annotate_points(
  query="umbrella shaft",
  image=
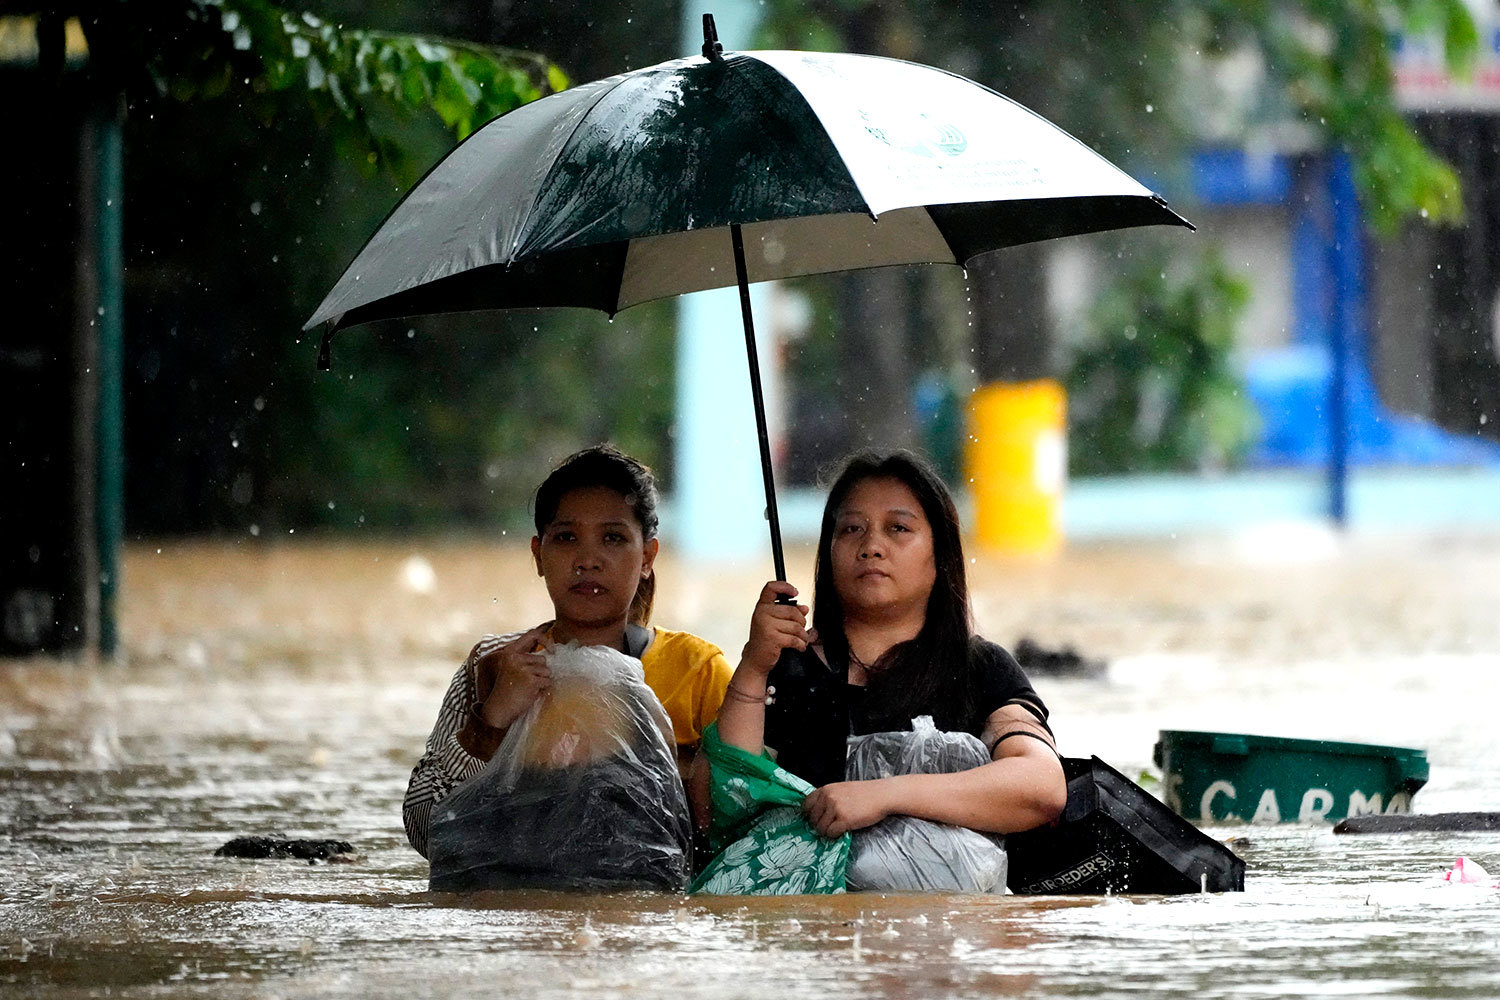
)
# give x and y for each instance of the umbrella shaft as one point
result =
(759, 400)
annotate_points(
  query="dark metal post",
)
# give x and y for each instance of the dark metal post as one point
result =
(110, 496)
(759, 399)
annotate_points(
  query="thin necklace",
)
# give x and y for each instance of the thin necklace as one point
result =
(855, 660)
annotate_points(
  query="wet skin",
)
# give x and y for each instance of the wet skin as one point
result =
(883, 565)
(593, 556)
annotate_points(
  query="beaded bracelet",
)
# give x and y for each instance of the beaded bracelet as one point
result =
(767, 699)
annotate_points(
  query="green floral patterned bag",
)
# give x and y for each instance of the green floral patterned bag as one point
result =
(765, 845)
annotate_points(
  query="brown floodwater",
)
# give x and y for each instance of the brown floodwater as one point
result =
(288, 687)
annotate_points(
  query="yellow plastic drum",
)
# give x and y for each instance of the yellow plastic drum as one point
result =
(1018, 465)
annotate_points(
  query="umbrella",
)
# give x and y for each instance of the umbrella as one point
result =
(727, 169)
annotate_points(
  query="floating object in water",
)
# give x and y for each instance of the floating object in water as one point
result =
(1113, 836)
(1236, 777)
(1459, 821)
(1466, 872)
(281, 847)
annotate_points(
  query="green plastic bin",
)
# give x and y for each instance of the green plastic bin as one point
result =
(1234, 777)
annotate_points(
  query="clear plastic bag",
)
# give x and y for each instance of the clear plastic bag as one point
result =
(906, 853)
(583, 792)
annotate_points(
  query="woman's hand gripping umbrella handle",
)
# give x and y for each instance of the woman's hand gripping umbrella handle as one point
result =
(775, 628)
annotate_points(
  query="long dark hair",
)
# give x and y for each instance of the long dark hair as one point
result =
(607, 466)
(929, 674)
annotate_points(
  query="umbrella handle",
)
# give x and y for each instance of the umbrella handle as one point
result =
(758, 398)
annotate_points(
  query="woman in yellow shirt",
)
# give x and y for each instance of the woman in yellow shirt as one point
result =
(595, 547)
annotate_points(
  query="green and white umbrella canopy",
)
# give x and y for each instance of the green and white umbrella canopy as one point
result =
(729, 169)
(625, 190)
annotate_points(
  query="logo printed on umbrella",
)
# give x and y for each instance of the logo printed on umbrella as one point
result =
(926, 138)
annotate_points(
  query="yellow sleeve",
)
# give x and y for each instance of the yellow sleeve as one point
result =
(690, 676)
(718, 676)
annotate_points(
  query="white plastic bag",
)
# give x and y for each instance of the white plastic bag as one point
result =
(583, 792)
(906, 853)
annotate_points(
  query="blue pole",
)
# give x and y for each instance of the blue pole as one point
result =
(719, 507)
(1346, 269)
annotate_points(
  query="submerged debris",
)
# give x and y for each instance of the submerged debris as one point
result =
(1408, 823)
(281, 847)
(1065, 662)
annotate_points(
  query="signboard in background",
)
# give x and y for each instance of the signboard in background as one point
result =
(1423, 82)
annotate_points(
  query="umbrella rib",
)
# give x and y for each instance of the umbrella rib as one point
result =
(525, 224)
(813, 114)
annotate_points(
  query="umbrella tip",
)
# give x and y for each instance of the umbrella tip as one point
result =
(325, 350)
(712, 50)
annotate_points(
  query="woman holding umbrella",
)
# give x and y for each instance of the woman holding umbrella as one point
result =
(892, 642)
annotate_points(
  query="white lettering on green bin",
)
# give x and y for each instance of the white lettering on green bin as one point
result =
(1267, 812)
(1400, 803)
(1205, 804)
(1316, 802)
(1361, 806)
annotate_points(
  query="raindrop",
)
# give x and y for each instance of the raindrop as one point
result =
(255, 208)
(587, 937)
(330, 505)
(259, 404)
(1150, 109)
(254, 531)
(411, 334)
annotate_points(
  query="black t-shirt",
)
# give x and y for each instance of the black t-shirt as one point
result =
(815, 709)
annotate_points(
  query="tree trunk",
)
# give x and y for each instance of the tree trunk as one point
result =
(877, 366)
